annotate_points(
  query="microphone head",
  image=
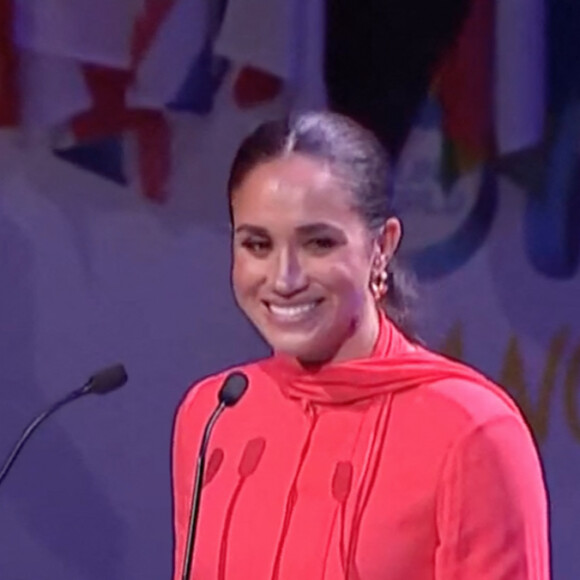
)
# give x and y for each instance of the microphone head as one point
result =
(107, 380)
(233, 389)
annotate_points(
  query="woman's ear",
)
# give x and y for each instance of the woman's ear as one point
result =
(390, 238)
(385, 245)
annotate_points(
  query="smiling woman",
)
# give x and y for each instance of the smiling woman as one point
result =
(377, 457)
(333, 161)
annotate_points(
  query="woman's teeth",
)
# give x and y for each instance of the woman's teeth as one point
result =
(291, 312)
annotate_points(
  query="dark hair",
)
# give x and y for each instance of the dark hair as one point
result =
(357, 158)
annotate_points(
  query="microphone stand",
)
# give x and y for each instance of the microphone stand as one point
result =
(231, 392)
(195, 501)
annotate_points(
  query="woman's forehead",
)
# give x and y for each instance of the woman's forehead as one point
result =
(292, 184)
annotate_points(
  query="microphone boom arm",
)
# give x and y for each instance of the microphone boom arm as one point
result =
(33, 426)
(102, 382)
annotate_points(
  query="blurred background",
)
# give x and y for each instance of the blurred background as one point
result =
(118, 121)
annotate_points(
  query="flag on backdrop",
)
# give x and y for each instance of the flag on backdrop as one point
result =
(265, 56)
(109, 116)
(492, 84)
(97, 32)
(261, 34)
(464, 86)
(520, 74)
(168, 39)
(77, 60)
(276, 45)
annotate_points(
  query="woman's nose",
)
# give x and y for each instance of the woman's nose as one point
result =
(289, 276)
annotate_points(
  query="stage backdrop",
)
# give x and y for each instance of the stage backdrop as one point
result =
(92, 272)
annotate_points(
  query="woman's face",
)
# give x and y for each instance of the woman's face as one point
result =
(302, 261)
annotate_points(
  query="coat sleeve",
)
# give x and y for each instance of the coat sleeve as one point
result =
(492, 516)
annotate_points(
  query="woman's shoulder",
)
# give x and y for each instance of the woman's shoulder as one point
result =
(469, 417)
(471, 403)
(463, 393)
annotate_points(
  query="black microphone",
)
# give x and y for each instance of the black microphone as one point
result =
(102, 382)
(231, 392)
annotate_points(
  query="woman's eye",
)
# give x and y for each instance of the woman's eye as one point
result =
(256, 246)
(322, 243)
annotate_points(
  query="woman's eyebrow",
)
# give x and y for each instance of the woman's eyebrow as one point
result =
(319, 228)
(251, 229)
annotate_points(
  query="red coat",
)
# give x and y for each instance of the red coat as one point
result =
(401, 466)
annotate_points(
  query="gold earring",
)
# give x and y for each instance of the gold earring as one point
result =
(379, 285)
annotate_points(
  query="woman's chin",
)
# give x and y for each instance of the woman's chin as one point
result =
(299, 349)
(310, 346)
(307, 353)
